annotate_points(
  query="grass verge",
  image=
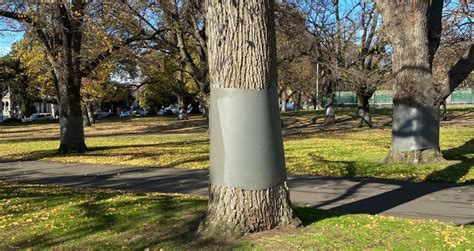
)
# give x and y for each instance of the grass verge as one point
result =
(38, 216)
(340, 150)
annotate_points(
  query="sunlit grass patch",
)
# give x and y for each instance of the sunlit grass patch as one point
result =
(45, 216)
(309, 148)
(39, 216)
(329, 230)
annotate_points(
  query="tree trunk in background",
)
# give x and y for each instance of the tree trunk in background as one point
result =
(298, 101)
(443, 111)
(363, 109)
(329, 111)
(180, 99)
(90, 113)
(415, 132)
(248, 191)
(86, 121)
(283, 102)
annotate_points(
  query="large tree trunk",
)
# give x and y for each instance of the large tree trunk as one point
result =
(248, 191)
(66, 64)
(363, 109)
(70, 116)
(415, 131)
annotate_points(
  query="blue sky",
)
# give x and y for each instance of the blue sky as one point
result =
(7, 38)
(6, 41)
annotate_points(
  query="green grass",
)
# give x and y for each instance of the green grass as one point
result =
(341, 150)
(38, 217)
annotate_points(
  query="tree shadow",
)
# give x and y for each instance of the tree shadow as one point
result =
(168, 220)
(455, 172)
(99, 151)
(310, 215)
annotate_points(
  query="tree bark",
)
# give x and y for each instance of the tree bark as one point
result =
(233, 211)
(67, 70)
(70, 114)
(363, 108)
(407, 25)
(242, 64)
(283, 101)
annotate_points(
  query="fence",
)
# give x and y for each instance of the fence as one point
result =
(385, 97)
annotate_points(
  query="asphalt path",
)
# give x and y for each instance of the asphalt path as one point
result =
(447, 202)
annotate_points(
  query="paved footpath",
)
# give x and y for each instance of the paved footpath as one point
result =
(427, 200)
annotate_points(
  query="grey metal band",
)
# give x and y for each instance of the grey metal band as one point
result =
(246, 141)
(364, 116)
(330, 111)
(415, 128)
(71, 130)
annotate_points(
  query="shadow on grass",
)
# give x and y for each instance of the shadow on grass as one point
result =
(310, 215)
(98, 151)
(85, 219)
(455, 172)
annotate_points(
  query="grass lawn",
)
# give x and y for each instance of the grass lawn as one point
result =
(38, 216)
(341, 150)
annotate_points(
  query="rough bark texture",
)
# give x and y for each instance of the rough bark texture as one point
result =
(233, 211)
(242, 54)
(407, 26)
(413, 37)
(240, 50)
(421, 156)
(66, 66)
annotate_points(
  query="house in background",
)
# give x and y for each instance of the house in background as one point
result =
(11, 109)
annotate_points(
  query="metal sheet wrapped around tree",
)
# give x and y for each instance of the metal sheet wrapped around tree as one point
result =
(246, 140)
(415, 128)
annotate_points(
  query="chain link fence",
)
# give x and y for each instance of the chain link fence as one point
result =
(385, 97)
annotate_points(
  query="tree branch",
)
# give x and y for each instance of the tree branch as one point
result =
(102, 56)
(16, 16)
(457, 74)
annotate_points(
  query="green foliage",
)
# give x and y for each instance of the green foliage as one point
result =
(37, 70)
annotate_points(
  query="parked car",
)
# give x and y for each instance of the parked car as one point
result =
(138, 112)
(102, 114)
(150, 112)
(38, 117)
(124, 114)
(168, 111)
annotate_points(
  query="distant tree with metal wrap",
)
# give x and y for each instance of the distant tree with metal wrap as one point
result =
(414, 29)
